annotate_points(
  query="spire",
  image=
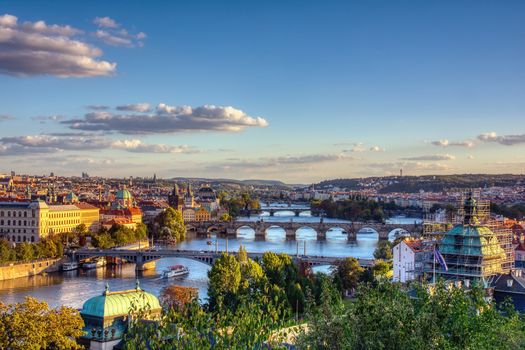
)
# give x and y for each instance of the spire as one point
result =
(106, 291)
(137, 284)
(471, 212)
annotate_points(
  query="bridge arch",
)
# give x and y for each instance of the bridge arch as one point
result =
(398, 232)
(367, 233)
(275, 233)
(245, 232)
(306, 232)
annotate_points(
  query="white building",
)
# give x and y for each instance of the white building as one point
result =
(23, 221)
(410, 257)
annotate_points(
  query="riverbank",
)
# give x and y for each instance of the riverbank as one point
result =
(18, 270)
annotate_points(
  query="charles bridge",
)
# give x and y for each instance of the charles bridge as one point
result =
(203, 228)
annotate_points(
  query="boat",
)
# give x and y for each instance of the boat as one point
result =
(209, 242)
(175, 271)
(69, 266)
(94, 264)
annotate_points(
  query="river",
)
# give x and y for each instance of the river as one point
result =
(72, 288)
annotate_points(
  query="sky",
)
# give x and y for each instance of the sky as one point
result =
(298, 91)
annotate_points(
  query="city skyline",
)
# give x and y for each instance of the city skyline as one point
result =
(288, 91)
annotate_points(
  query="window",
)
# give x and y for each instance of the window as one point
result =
(2, 213)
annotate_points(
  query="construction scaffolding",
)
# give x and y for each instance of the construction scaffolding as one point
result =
(475, 247)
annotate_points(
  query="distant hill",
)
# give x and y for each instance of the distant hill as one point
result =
(427, 183)
(271, 183)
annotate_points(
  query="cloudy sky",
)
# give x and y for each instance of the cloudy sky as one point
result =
(292, 90)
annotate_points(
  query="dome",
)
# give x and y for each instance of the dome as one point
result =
(124, 194)
(475, 241)
(71, 197)
(112, 304)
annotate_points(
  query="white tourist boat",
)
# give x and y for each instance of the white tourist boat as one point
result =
(69, 266)
(94, 264)
(175, 271)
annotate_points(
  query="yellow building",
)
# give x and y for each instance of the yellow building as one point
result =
(89, 216)
(32, 221)
(202, 214)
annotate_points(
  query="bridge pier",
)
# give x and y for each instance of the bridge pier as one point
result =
(143, 266)
(352, 236)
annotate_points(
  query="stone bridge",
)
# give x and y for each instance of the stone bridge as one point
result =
(291, 227)
(144, 258)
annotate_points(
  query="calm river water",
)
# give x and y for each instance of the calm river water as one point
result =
(72, 288)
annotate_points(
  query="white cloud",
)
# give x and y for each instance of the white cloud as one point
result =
(41, 49)
(377, 149)
(507, 140)
(169, 119)
(139, 147)
(447, 143)
(105, 22)
(431, 157)
(113, 35)
(136, 107)
(81, 142)
(113, 40)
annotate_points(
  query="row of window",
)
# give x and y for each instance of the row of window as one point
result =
(63, 215)
(14, 213)
(15, 230)
(8, 223)
(64, 222)
(20, 238)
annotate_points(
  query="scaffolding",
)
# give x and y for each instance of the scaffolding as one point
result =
(475, 247)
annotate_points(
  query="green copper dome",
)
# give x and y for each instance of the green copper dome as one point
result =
(124, 194)
(120, 303)
(471, 240)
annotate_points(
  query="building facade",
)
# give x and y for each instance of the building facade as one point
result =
(33, 221)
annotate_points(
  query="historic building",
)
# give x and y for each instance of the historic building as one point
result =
(107, 316)
(188, 214)
(32, 221)
(201, 214)
(175, 199)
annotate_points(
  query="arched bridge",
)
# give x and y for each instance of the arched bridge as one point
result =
(260, 227)
(142, 257)
(297, 210)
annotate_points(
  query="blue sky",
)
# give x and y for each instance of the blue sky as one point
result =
(293, 90)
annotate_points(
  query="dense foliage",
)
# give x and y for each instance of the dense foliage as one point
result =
(353, 209)
(49, 248)
(31, 325)
(119, 235)
(171, 225)
(384, 316)
(427, 183)
(237, 203)
(516, 211)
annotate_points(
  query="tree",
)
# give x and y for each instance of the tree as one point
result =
(6, 252)
(32, 325)
(224, 281)
(347, 273)
(383, 250)
(225, 217)
(172, 219)
(24, 252)
(178, 297)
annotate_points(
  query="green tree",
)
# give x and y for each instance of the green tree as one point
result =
(224, 281)
(225, 217)
(24, 252)
(6, 252)
(173, 221)
(383, 250)
(32, 325)
(347, 274)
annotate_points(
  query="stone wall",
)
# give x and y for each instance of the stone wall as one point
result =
(17, 270)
